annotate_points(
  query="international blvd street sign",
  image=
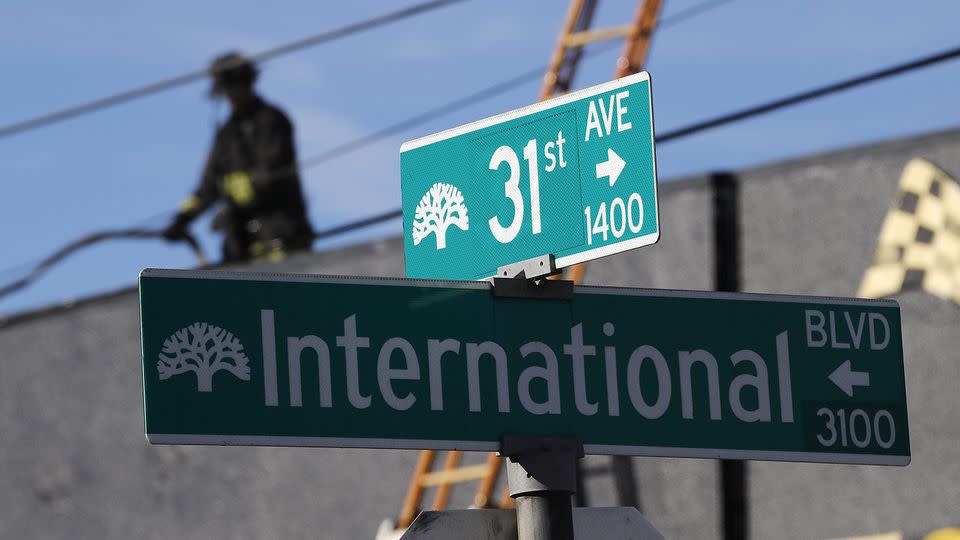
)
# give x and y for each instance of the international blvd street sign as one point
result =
(237, 358)
(573, 176)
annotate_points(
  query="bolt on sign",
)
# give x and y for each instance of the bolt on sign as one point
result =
(239, 358)
(574, 176)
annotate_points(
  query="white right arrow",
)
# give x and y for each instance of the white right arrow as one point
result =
(612, 167)
(845, 378)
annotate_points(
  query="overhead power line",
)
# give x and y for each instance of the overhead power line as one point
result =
(138, 233)
(89, 240)
(191, 76)
(771, 106)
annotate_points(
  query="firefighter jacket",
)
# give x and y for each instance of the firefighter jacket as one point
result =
(252, 171)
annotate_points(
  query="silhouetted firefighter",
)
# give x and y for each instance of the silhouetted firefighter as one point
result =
(252, 171)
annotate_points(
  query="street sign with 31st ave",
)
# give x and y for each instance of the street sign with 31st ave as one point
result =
(573, 176)
(287, 360)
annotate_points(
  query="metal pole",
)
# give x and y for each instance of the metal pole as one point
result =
(544, 516)
(726, 226)
(542, 476)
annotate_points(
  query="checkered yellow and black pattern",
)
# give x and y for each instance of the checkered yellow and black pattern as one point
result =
(919, 243)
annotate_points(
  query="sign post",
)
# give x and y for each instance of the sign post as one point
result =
(542, 477)
(240, 358)
(573, 177)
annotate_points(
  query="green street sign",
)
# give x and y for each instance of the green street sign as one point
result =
(238, 358)
(574, 176)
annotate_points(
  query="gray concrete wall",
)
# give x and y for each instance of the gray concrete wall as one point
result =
(74, 462)
(810, 227)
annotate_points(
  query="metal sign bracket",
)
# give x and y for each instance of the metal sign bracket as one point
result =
(527, 279)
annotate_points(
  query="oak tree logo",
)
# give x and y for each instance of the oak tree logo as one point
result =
(203, 349)
(440, 207)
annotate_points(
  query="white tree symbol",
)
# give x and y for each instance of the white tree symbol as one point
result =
(203, 349)
(439, 208)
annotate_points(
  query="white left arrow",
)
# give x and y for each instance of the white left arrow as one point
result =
(845, 378)
(612, 167)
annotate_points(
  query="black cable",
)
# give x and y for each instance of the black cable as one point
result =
(88, 240)
(140, 225)
(770, 106)
(179, 80)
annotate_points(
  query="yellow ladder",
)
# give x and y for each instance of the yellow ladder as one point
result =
(574, 35)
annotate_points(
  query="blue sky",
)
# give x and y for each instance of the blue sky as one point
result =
(123, 166)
